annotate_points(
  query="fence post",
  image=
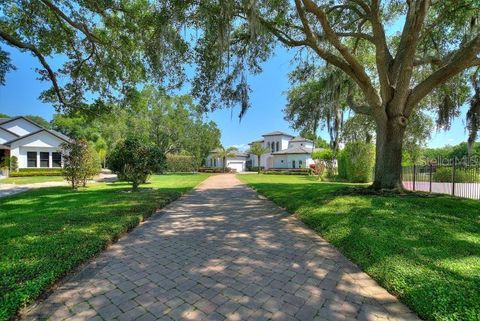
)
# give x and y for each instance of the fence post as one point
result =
(431, 174)
(414, 175)
(453, 176)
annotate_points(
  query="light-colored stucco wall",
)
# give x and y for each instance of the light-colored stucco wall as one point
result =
(41, 142)
(304, 144)
(286, 161)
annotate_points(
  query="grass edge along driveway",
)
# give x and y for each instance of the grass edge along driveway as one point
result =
(423, 249)
(46, 233)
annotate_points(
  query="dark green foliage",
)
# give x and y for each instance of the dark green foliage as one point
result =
(214, 170)
(25, 172)
(445, 174)
(48, 232)
(342, 164)
(298, 171)
(134, 160)
(423, 249)
(360, 161)
(80, 162)
(181, 163)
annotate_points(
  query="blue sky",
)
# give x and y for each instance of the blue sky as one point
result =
(20, 96)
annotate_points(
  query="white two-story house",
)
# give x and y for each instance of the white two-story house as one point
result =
(33, 145)
(284, 151)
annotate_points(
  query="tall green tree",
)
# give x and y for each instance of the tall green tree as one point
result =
(439, 42)
(107, 46)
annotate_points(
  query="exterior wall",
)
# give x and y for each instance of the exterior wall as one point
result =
(20, 127)
(6, 136)
(216, 162)
(286, 161)
(41, 142)
(280, 139)
(301, 144)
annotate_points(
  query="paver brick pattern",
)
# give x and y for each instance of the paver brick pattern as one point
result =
(221, 252)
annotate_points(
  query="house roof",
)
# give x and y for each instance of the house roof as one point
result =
(2, 120)
(8, 120)
(10, 132)
(294, 150)
(52, 132)
(256, 141)
(301, 139)
(277, 133)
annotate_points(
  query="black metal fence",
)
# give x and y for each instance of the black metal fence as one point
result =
(457, 177)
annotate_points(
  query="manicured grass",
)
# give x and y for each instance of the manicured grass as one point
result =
(45, 233)
(425, 250)
(31, 180)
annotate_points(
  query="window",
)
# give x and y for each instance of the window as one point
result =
(31, 159)
(273, 147)
(277, 147)
(56, 160)
(44, 159)
(293, 164)
(300, 164)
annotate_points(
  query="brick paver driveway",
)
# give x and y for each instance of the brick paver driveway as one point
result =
(221, 252)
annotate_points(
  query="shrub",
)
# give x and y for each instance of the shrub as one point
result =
(214, 170)
(255, 168)
(360, 160)
(24, 172)
(324, 159)
(342, 165)
(13, 163)
(181, 163)
(282, 171)
(80, 162)
(134, 161)
(444, 174)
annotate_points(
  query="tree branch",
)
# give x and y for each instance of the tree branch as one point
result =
(464, 58)
(24, 46)
(79, 26)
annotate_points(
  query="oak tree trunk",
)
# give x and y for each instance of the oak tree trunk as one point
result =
(388, 159)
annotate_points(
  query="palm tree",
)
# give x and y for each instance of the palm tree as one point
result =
(258, 149)
(224, 153)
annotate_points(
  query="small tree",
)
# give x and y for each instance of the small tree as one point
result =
(327, 157)
(258, 150)
(224, 153)
(134, 161)
(13, 163)
(360, 159)
(80, 162)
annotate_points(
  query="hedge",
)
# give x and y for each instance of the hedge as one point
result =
(214, 170)
(24, 172)
(181, 163)
(342, 165)
(360, 161)
(279, 171)
(444, 174)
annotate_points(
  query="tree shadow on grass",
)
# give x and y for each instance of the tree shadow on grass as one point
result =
(426, 250)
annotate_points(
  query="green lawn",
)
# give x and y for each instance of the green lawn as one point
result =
(425, 250)
(44, 233)
(31, 179)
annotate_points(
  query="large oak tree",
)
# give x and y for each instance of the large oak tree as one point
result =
(438, 42)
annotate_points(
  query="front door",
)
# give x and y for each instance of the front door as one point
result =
(293, 164)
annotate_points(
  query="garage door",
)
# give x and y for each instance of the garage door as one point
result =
(238, 166)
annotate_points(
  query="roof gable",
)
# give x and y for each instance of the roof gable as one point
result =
(277, 133)
(49, 132)
(21, 126)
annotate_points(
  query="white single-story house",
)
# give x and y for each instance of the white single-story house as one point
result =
(33, 145)
(237, 163)
(285, 151)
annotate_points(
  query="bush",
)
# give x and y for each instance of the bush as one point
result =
(444, 174)
(360, 160)
(25, 172)
(181, 163)
(134, 161)
(80, 162)
(214, 170)
(255, 168)
(280, 171)
(342, 165)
